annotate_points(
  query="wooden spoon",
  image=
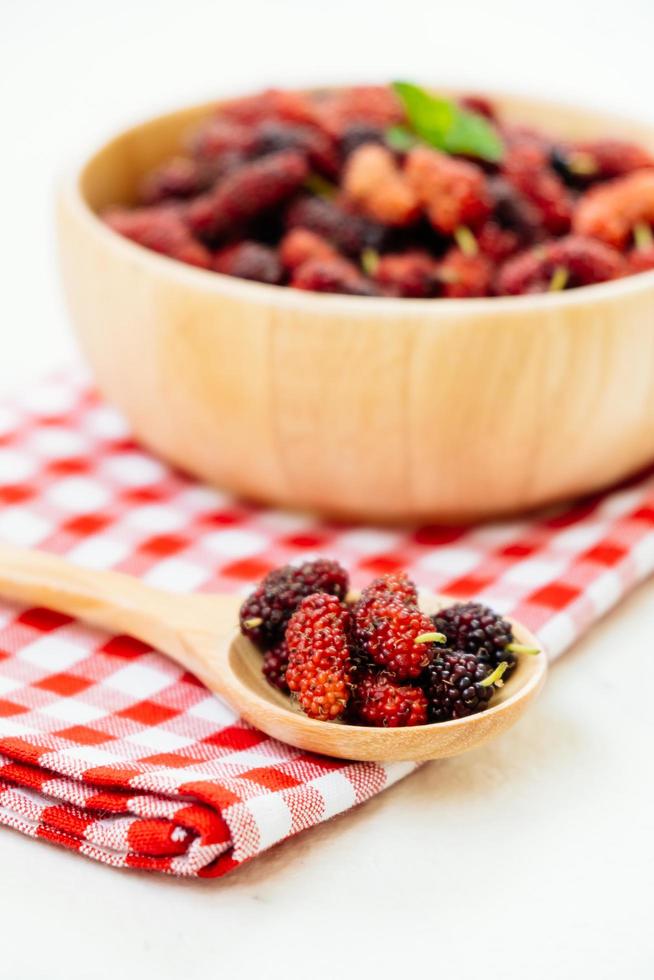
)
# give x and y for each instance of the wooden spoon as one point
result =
(200, 633)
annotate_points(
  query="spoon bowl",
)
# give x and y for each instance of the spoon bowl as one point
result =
(200, 633)
(277, 715)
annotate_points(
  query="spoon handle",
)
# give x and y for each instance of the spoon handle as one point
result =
(116, 602)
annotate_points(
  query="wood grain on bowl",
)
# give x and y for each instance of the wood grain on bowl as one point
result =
(382, 409)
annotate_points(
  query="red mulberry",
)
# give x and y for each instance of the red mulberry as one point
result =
(514, 212)
(248, 192)
(497, 243)
(391, 633)
(465, 276)
(348, 233)
(375, 105)
(274, 136)
(218, 137)
(318, 671)
(612, 212)
(250, 260)
(526, 166)
(265, 612)
(373, 182)
(397, 584)
(180, 177)
(299, 245)
(479, 104)
(336, 275)
(562, 264)
(380, 702)
(581, 164)
(412, 273)
(360, 134)
(161, 229)
(453, 192)
(272, 103)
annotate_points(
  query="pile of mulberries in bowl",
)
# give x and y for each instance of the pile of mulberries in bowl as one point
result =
(378, 659)
(395, 191)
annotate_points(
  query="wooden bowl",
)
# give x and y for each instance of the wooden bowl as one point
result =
(376, 409)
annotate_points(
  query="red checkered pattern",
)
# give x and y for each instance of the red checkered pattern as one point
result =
(110, 749)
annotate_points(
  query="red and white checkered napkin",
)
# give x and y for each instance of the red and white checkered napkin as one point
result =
(110, 749)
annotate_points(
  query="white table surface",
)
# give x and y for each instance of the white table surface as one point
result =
(531, 858)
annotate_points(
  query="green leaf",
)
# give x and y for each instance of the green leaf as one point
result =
(430, 117)
(475, 136)
(445, 125)
(399, 138)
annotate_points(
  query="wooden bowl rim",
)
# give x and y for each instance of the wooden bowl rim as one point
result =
(285, 297)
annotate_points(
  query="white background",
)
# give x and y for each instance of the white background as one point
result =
(530, 858)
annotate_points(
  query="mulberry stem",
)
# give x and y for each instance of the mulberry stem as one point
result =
(369, 261)
(466, 241)
(643, 236)
(496, 676)
(521, 648)
(559, 279)
(431, 638)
